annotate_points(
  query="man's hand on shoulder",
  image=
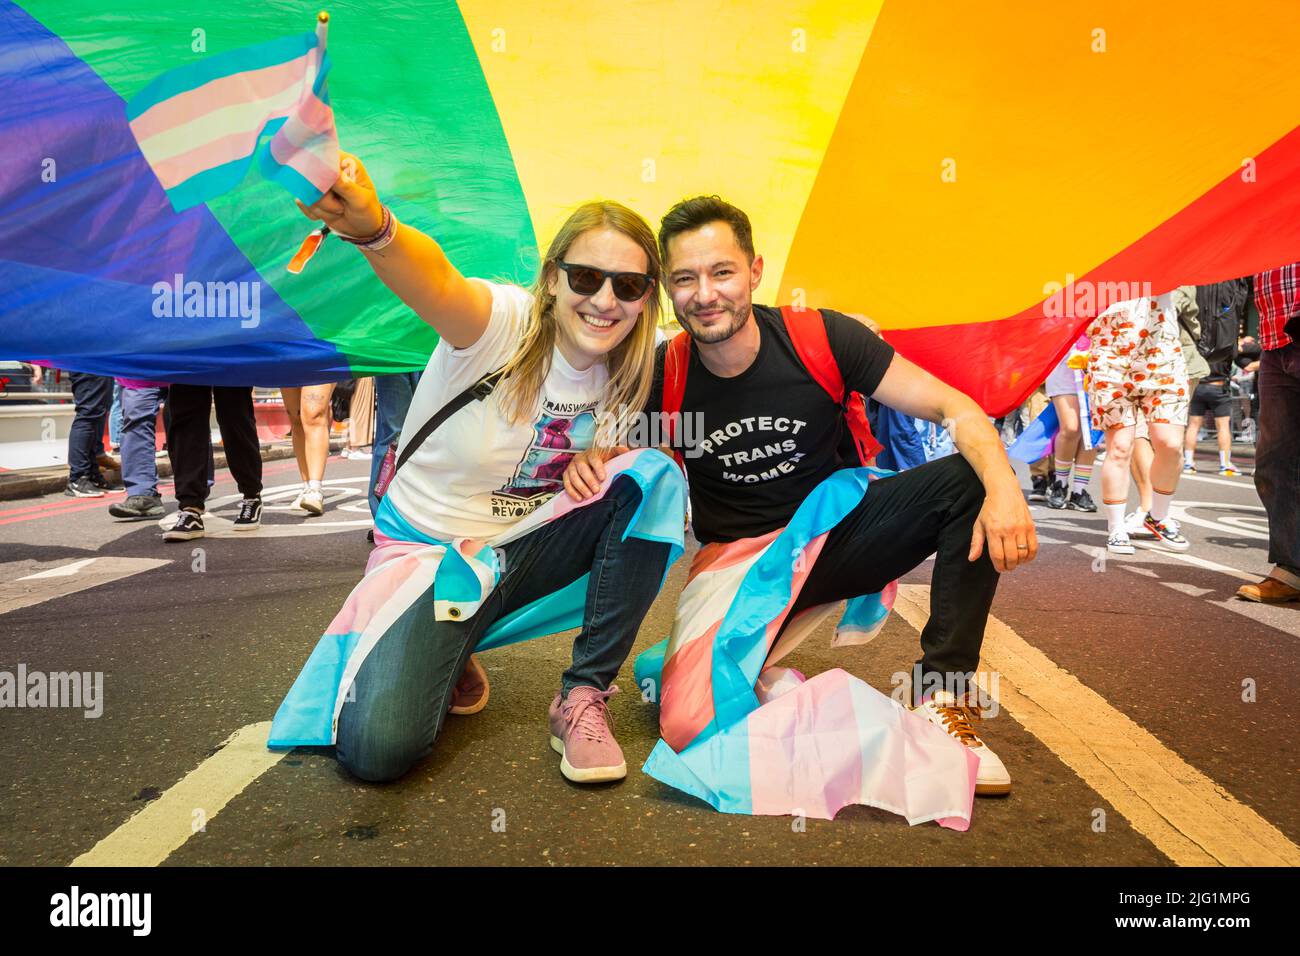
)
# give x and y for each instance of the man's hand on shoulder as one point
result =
(586, 472)
(1005, 527)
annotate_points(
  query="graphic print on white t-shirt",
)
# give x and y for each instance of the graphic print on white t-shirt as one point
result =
(560, 431)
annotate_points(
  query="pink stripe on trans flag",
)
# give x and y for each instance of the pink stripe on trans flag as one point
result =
(264, 84)
(686, 705)
(172, 172)
(835, 740)
(308, 144)
(366, 601)
(796, 739)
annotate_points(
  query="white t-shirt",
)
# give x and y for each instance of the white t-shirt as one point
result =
(477, 474)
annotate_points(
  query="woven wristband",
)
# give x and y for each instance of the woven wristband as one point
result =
(387, 232)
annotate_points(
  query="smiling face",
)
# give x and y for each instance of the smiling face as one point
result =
(588, 327)
(711, 280)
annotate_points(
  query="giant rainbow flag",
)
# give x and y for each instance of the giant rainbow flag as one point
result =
(939, 165)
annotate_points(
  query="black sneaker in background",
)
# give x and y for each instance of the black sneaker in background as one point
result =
(1039, 490)
(188, 527)
(102, 483)
(83, 487)
(1057, 496)
(1082, 501)
(137, 508)
(250, 514)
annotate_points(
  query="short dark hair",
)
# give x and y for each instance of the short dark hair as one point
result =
(699, 211)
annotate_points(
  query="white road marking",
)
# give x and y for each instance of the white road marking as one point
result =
(163, 825)
(62, 571)
(1185, 558)
(1185, 814)
(1245, 482)
(1180, 512)
(58, 581)
(276, 500)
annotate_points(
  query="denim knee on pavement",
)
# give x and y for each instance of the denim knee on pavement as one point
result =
(403, 689)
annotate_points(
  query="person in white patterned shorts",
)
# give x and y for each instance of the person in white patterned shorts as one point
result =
(1136, 365)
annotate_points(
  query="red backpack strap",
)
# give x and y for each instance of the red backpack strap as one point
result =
(808, 334)
(677, 360)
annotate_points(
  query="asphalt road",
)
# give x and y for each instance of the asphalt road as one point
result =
(1148, 717)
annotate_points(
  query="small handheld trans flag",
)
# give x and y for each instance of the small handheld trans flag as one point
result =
(201, 126)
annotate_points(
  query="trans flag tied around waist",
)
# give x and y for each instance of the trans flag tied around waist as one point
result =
(405, 564)
(747, 736)
(890, 168)
(201, 126)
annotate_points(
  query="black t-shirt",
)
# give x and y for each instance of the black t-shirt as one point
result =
(770, 434)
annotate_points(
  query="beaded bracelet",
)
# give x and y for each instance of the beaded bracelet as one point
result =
(387, 232)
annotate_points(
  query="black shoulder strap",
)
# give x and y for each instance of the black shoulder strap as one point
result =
(475, 393)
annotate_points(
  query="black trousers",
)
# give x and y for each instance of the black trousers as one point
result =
(930, 509)
(93, 396)
(188, 440)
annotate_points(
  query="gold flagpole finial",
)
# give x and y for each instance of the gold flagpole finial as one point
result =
(323, 17)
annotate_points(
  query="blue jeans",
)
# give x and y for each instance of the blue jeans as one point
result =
(392, 401)
(1277, 453)
(404, 688)
(115, 417)
(139, 443)
(93, 394)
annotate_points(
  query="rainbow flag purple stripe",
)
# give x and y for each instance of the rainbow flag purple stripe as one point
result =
(203, 125)
(750, 737)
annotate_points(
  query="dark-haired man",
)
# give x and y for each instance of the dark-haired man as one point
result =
(753, 392)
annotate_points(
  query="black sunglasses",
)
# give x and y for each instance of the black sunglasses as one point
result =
(587, 280)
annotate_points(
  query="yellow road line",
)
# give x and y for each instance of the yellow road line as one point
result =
(1189, 817)
(160, 828)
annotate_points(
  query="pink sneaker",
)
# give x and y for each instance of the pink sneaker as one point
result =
(470, 694)
(582, 732)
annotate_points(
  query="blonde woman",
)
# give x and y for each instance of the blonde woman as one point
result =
(474, 508)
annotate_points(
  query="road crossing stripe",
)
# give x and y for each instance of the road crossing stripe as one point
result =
(1185, 814)
(57, 582)
(61, 571)
(164, 824)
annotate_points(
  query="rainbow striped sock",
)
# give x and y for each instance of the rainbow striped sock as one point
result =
(1082, 475)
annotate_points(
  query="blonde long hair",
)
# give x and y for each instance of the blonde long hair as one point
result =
(630, 363)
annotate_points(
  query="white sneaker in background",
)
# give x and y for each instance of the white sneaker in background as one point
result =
(1135, 525)
(1119, 543)
(313, 501)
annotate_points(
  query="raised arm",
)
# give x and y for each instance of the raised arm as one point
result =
(412, 265)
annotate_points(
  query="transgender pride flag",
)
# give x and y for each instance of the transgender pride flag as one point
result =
(202, 125)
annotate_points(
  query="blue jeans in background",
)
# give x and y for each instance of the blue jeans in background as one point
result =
(1277, 453)
(115, 417)
(139, 440)
(392, 401)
